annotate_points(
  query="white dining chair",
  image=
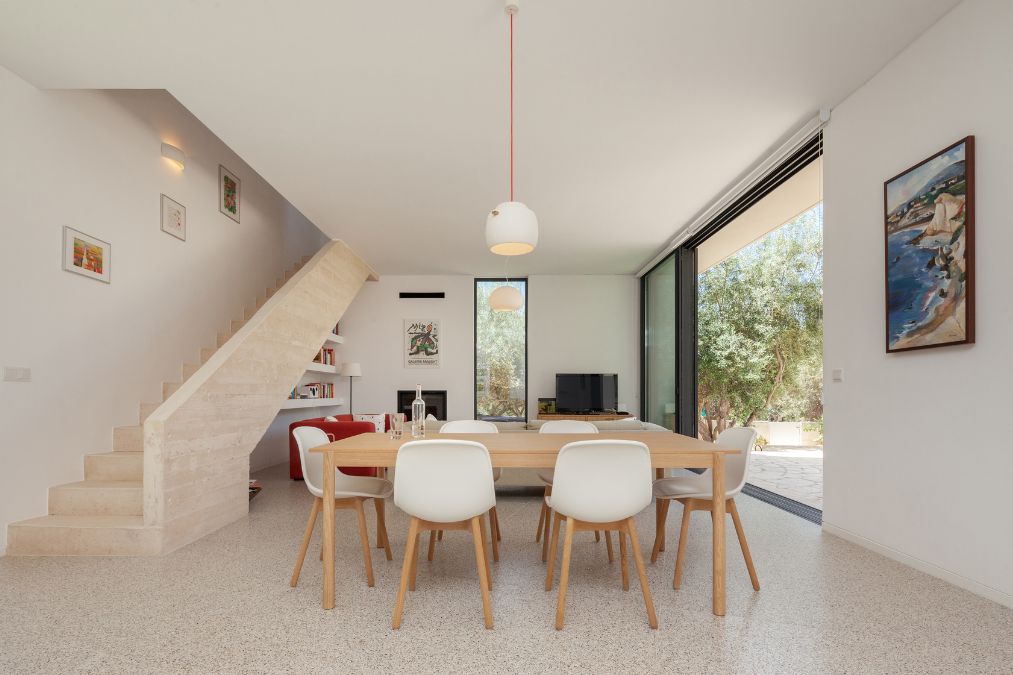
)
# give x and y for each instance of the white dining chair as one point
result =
(349, 493)
(473, 427)
(600, 485)
(696, 494)
(444, 485)
(545, 475)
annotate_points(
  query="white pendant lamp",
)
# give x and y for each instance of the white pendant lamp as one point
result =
(511, 228)
(506, 299)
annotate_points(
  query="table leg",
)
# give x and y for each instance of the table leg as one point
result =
(658, 507)
(328, 531)
(718, 527)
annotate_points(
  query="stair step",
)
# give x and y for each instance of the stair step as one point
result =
(223, 338)
(146, 410)
(169, 388)
(236, 325)
(82, 535)
(189, 369)
(97, 498)
(250, 311)
(128, 439)
(206, 354)
(114, 466)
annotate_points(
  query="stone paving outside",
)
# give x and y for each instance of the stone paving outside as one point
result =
(793, 472)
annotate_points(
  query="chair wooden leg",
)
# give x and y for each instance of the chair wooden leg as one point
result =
(622, 561)
(495, 521)
(638, 559)
(541, 522)
(406, 570)
(564, 573)
(494, 534)
(659, 529)
(307, 535)
(364, 538)
(742, 544)
(485, 551)
(483, 568)
(549, 519)
(680, 557)
(608, 546)
(439, 536)
(432, 545)
(417, 549)
(552, 550)
(597, 536)
(382, 540)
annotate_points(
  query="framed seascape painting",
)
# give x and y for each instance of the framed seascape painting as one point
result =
(229, 193)
(85, 255)
(421, 344)
(930, 251)
(173, 218)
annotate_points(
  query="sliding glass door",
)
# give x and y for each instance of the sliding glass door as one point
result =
(659, 377)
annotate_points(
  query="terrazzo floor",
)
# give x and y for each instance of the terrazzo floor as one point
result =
(223, 605)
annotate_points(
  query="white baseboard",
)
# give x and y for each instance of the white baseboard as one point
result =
(946, 575)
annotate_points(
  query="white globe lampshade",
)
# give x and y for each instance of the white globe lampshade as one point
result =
(511, 229)
(506, 299)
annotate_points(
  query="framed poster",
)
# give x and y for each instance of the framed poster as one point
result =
(229, 193)
(85, 255)
(421, 343)
(929, 212)
(173, 218)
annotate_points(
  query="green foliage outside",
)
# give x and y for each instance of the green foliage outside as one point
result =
(760, 322)
(499, 348)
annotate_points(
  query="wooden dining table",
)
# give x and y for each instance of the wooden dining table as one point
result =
(532, 451)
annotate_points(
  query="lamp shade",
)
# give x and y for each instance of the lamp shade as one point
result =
(511, 229)
(506, 299)
(174, 155)
(351, 370)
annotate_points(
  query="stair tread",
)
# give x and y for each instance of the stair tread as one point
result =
(83, 521)
(104, 484)
(114, 453)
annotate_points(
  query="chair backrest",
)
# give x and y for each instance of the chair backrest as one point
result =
(601, 481)
(469, 427)
(443, 481)
(312, 462)
(736, 466)
(567, 427)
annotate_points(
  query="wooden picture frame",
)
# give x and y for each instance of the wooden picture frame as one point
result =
(173, 218)
(929, 251)
(87, 255)
(229, 193)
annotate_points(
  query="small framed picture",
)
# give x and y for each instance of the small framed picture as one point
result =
(229, 193)
(85, 255)
(173, 218)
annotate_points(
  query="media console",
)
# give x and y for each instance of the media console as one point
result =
(587, 417)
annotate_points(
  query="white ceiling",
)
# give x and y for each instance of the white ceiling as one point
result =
(385, 122)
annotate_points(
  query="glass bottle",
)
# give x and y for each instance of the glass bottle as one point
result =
(418, 414)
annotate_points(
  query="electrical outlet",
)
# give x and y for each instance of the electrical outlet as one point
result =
(837, 375)
(17, 374)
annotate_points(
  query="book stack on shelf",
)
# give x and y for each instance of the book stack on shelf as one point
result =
(313, 390)
(325, 357)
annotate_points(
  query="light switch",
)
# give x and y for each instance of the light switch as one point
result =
(17, 374)
(837, 375)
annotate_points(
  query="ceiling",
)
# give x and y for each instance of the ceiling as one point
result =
(385, 123)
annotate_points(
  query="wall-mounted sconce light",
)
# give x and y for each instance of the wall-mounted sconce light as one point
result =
(174, 155)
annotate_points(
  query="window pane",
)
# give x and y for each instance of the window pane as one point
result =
(659, 344)
(500, 355)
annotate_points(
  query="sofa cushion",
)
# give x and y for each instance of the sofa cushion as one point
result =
(620, 425)
(511, 426)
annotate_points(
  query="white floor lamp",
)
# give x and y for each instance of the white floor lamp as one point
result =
(350, 370)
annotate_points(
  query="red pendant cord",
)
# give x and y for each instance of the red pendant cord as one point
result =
(511, 107)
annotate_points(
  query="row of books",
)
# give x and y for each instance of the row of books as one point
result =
(313, 390)
(325, 356)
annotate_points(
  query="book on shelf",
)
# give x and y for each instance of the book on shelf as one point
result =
(324, 357)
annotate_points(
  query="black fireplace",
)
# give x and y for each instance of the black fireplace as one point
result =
(436, 402)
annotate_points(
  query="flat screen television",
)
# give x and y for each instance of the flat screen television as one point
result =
(586, 392)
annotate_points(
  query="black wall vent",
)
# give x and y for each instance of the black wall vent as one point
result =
(404, 295)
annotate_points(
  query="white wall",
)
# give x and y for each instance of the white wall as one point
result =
(917, 463)
(575, 324)
(92, 160)
(583, 324)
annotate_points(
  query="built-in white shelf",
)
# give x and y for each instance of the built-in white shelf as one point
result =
(322, 368)
(336, 339)
(292, 403)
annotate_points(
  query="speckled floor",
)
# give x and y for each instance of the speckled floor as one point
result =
(223, 605)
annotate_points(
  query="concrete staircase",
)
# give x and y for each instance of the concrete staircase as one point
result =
(182, 471)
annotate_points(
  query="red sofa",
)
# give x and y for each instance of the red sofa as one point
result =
(343, 428)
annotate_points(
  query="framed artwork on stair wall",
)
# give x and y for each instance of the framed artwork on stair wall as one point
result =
(229, 193)
(173, 218)
(421, 343)
(85, 255)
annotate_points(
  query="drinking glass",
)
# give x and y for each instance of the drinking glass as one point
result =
(396, 425)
